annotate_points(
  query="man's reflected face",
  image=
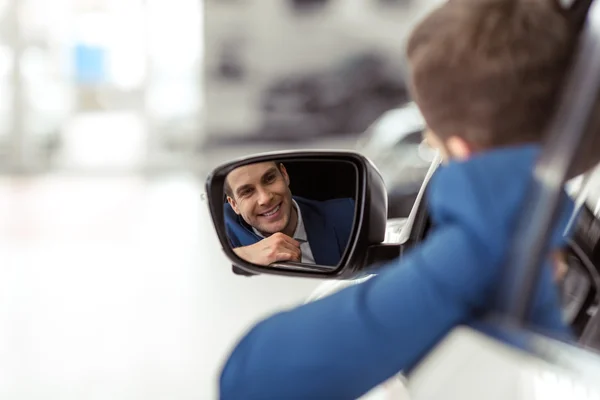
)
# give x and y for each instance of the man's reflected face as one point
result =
(260, 193)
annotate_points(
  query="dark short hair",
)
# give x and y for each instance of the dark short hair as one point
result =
(490, 71)
(227, 187)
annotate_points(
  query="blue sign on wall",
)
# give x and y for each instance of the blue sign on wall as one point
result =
(90, 64)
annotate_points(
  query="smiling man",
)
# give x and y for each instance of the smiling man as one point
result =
(266, 224)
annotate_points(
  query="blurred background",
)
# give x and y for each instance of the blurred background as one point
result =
(112, 113)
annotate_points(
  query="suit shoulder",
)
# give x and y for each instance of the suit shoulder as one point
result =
(232, 225)
(228, 211)
(345, 203)
(341, 202)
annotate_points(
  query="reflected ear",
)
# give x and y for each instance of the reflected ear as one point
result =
(285, 174)
(233, 205)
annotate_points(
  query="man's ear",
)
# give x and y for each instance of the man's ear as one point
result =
(233, 205)
(285, 174)
(459, 148)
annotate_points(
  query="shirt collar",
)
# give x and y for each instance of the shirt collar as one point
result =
(300, 232)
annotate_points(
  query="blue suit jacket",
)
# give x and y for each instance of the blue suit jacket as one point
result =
(328, 226)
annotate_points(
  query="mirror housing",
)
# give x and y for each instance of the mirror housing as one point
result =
(368, 232)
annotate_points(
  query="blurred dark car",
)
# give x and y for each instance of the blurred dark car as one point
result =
(343, 100)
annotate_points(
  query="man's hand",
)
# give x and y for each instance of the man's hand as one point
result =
(277, 247)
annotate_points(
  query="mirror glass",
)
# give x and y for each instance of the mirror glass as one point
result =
(291, 212)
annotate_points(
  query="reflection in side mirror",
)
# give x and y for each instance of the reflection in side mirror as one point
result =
(302, 213)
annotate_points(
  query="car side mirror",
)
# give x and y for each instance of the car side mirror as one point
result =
(310, 213)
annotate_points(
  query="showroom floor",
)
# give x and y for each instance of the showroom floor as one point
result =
(117, 288)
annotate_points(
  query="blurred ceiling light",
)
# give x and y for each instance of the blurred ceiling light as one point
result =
(105, 140)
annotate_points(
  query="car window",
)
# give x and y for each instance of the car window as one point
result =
(586, 188)
(593, 192)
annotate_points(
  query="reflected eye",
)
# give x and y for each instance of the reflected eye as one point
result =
(270, 178)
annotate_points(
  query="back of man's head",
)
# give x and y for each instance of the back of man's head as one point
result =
(490, 71)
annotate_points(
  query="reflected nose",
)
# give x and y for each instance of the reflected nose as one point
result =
(264, 197)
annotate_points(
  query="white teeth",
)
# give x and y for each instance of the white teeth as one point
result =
(272, 212)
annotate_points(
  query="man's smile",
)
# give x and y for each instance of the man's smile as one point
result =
(273, 212)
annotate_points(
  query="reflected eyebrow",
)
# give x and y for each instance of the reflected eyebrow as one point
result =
(269, 171)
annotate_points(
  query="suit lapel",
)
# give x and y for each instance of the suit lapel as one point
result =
(254, 237)
(321, 237)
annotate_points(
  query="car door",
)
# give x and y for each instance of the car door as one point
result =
(580, 288)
